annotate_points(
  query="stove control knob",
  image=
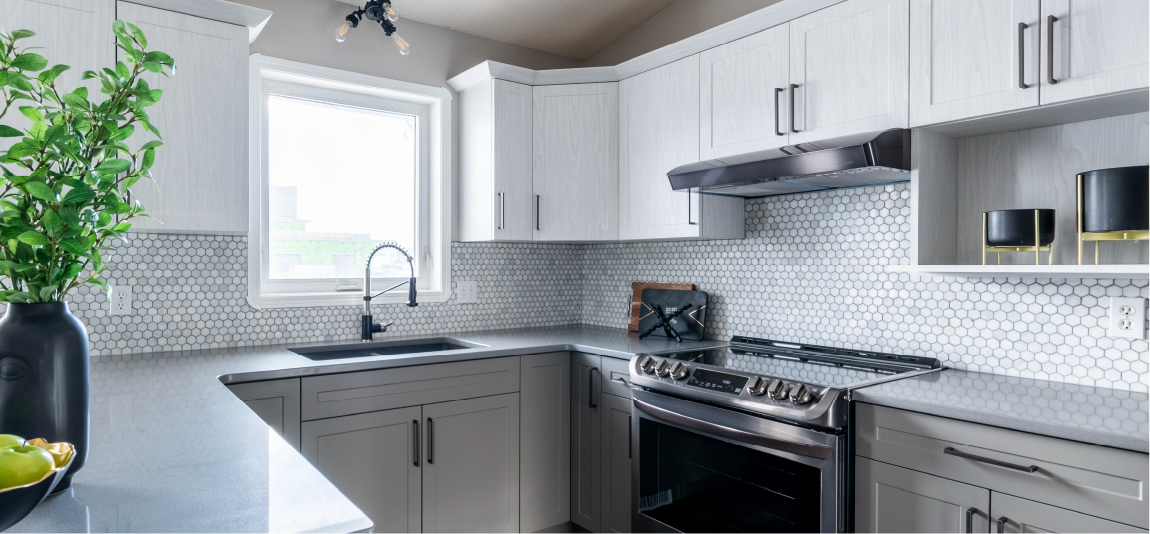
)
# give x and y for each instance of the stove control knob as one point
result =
(777, 389)
(679, 371)
(800, 395)
(663, 369)
(648, 365)
(757, 386)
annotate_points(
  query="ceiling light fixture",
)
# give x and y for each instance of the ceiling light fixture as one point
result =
(376, 11)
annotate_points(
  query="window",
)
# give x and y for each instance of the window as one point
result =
(340, 163)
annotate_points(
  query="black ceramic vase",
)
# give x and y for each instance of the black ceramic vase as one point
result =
(44, 377)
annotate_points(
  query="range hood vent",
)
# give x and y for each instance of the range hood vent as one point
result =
(884, 159)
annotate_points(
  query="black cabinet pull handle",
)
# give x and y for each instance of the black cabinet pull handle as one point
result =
(415, 438)
(778, 90)
(591, 387)
(970, 519)
(1024, 468)
(430, 441)
(793, 87)
(537, 212)
(501, 211)
(689, 221)
(1001, 524)
(1050, 20)
(629, 443)
(1022, 26)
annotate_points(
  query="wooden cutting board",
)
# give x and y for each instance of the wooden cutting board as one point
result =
(637, 294)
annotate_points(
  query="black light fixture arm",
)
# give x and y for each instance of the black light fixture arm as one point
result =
(369, 326)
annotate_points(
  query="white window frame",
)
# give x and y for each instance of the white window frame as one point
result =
(432, 106)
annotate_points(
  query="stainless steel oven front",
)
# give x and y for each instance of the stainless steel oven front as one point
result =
(701, 468)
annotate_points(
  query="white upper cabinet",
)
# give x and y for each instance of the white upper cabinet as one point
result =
(496, 200)
(1096, 47)
(576, 162)
(848, 69)
(201, 171)
(971, 58)
(743, 95)
(658, 131)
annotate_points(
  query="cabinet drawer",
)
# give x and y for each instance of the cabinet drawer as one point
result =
(369, 391)
(1095, 480)
(615, 369)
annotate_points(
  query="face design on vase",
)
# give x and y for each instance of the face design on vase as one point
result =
(17, 382)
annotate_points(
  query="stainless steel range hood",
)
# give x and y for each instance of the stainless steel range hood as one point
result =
(883, 159)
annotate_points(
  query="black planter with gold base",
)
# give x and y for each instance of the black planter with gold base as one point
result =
(1113, 205)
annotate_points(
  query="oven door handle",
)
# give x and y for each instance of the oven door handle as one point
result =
(734, 434)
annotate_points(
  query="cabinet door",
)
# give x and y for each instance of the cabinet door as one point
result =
(201, 172)
(965, 58)
(576, 162)
(1012, 514)
(894, 499)
(586, 443)
(849, 62)
(740, 97)
(616, 464)
(277, 402)
(471, 468)
(1099, 47)
(511, 138)
(545, 441)
(373, 459)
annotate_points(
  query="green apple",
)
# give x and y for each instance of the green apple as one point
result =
(23, 464)
(7, 440)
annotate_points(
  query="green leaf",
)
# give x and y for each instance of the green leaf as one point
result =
(47, 292)
(71, 271)
(138, 34)
(113, 166)
(33, 238)
(37, 130)
(8, 131)
(22, 34)
(76, 101)
(99, 283)
(78, 195)
(32, 113)
(149, 158)
(152, 144)
(18, 297)
(76, 245)
(52, 222)
(29, 62)
(122, 71)
(40, 191)
(121, 227)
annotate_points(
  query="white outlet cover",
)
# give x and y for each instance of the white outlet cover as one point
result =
(468, 292)
(1128, 317)
(119, 300)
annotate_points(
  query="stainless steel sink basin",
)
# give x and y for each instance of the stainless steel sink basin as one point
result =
(383, 348)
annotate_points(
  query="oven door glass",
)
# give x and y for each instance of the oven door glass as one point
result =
(695, 483)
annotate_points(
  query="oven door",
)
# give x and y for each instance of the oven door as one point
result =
(701, 468)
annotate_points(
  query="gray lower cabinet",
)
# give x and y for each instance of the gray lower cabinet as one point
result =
(894, 499)
(1012, 514)
(545, 441)
(600, 444)
(277, 402)
(373, 459)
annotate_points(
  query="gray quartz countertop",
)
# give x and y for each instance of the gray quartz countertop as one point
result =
(172, 450)
(1114, 418)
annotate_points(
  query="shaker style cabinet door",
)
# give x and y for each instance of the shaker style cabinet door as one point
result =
(545, 441)
(1012, 514)
(616, 460)
(586, 440)
(1093, 47)
(471, 465)
(894, 499)
(849, 63)
(576, 162)
(277, 402)
(373, 459)
(202, 168)
(743, 109)
(972, 57)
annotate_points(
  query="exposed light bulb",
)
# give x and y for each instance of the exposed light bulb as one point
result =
(390, 13)
(404, 48)
(342, 30)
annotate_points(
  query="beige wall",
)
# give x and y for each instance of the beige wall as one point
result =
(304, 30)
(676, 22)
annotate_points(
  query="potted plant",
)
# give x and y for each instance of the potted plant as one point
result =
(66, 190)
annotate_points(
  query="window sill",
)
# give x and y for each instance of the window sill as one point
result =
(313, 300)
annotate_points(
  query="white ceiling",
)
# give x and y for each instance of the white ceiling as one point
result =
(576, 29)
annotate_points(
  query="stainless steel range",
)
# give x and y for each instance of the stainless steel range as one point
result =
(749, 437)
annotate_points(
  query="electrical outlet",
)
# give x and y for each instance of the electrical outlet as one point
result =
(1128, 317)
(119, 300)
(468, 292)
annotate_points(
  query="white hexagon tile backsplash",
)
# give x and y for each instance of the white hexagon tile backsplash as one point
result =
(810, 270)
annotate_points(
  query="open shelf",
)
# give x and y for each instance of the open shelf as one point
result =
(1133, 271)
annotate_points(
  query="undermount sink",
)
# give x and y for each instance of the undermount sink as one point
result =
(383, 348)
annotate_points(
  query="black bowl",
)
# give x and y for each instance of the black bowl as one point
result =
(1015, 228)
(1116, 200)
(16, 503)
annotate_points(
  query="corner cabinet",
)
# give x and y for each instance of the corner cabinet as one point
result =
(575, 155)
(201, 172)
(658, 131)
